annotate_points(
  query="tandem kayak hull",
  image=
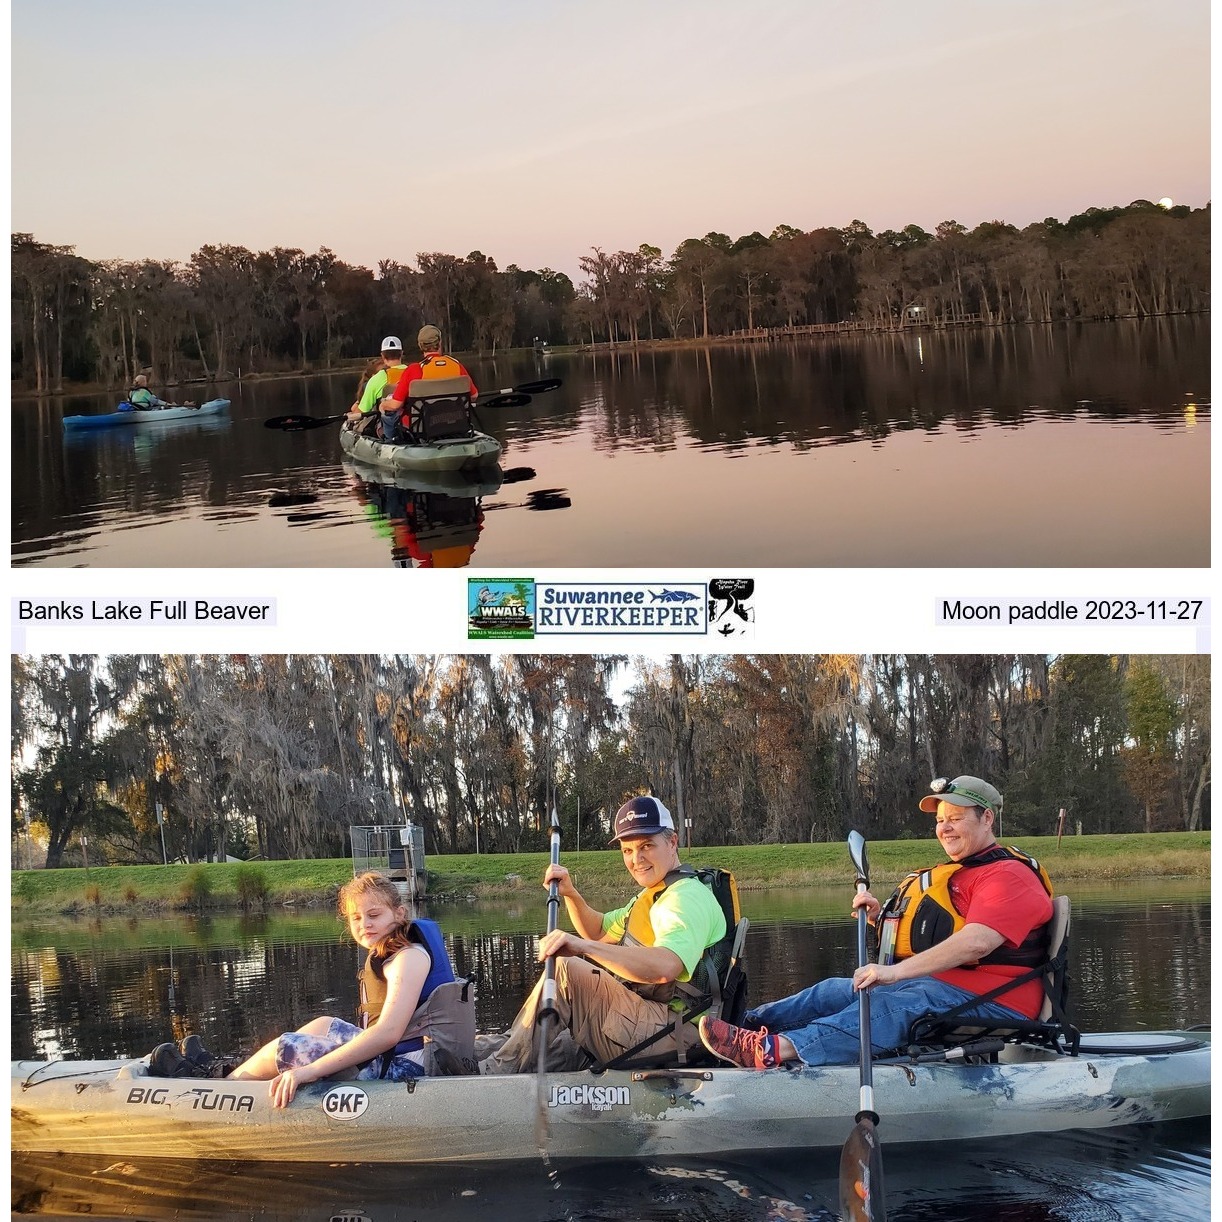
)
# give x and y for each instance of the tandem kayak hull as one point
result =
(115, 1108)
(161, 415)
(460, 454)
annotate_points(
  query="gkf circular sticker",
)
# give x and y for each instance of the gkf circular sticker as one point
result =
(345, 1102)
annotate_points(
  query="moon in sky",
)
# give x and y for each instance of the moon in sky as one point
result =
(1165, 202)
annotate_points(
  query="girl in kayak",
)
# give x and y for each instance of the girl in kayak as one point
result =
(408, 990)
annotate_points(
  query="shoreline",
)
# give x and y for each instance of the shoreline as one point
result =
(150, 890)
(767, 336)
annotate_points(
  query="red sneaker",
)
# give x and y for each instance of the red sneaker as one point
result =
(738, 1046)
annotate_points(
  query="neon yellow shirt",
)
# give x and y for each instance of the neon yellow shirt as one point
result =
(686, 919)
(375, 388)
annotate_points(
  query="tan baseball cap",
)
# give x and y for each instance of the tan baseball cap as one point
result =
(429, 336)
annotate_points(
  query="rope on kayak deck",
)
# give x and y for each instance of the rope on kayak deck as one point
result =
(35, 1080)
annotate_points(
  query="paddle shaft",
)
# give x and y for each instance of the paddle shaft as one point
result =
(866, 1103)
(510, 396)
(547, 1002)
(861, 1167)
(547, 998)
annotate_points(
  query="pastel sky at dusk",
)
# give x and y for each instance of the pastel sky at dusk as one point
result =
(533, 130)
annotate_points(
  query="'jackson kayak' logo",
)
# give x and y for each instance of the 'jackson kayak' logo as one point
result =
(598, 1098)
(500, 609)
(345, 1102)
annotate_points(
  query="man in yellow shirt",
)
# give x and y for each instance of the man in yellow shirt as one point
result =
(379, 386)
(620, 976)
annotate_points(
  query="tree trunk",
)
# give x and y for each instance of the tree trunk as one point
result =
(203, 356)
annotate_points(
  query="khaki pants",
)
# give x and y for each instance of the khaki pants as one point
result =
(594, 1013)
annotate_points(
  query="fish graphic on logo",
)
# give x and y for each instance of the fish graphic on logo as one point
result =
(673, 596)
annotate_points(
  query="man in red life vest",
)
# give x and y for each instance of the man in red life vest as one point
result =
(432, 364)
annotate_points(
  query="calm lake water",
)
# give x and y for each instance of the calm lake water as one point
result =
(1140, 957)
(1082, 445)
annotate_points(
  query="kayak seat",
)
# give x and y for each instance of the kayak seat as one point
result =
(366, 426)
(438, 409)
(1051, 1029)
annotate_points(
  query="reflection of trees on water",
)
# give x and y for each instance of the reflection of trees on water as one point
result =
(1134, 960)
(1135, 966)
(843, 389)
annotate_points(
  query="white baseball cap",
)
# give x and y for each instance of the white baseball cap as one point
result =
(392, 343)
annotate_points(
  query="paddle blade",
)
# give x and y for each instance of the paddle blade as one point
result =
(861, 1176)
(506, 399)
(537, 388)
(296, 424)
(861, 861)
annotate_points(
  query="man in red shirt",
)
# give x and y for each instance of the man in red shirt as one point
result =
(949, 934)
(432, 364)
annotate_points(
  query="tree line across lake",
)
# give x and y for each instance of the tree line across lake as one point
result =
(279, 755)
(229, 310)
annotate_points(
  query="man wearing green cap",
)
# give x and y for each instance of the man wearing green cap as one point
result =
(948, 935)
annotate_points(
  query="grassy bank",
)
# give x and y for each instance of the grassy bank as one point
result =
(599, 873)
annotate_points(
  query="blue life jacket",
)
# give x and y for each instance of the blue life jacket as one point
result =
(373, 982)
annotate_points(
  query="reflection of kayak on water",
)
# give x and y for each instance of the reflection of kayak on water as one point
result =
(482, 481)
(433, 519)
(127, 415)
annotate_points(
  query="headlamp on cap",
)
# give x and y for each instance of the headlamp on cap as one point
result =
(976, 791)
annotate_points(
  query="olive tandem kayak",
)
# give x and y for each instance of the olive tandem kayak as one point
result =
(115, 1108)
(453, 454)
(156, 415)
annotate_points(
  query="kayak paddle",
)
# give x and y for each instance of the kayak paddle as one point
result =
(547, 998)
(861, 1159)
(511, 396)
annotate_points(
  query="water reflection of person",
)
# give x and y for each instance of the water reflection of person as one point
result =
(427, 530)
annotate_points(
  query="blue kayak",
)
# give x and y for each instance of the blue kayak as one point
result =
(127, 415)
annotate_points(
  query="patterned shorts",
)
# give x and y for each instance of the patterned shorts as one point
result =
(295, 1048)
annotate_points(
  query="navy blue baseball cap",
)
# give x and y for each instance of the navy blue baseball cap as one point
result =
(643, 816)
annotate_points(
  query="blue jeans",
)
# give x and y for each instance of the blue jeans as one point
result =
(822, 1022)
(390, 424)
